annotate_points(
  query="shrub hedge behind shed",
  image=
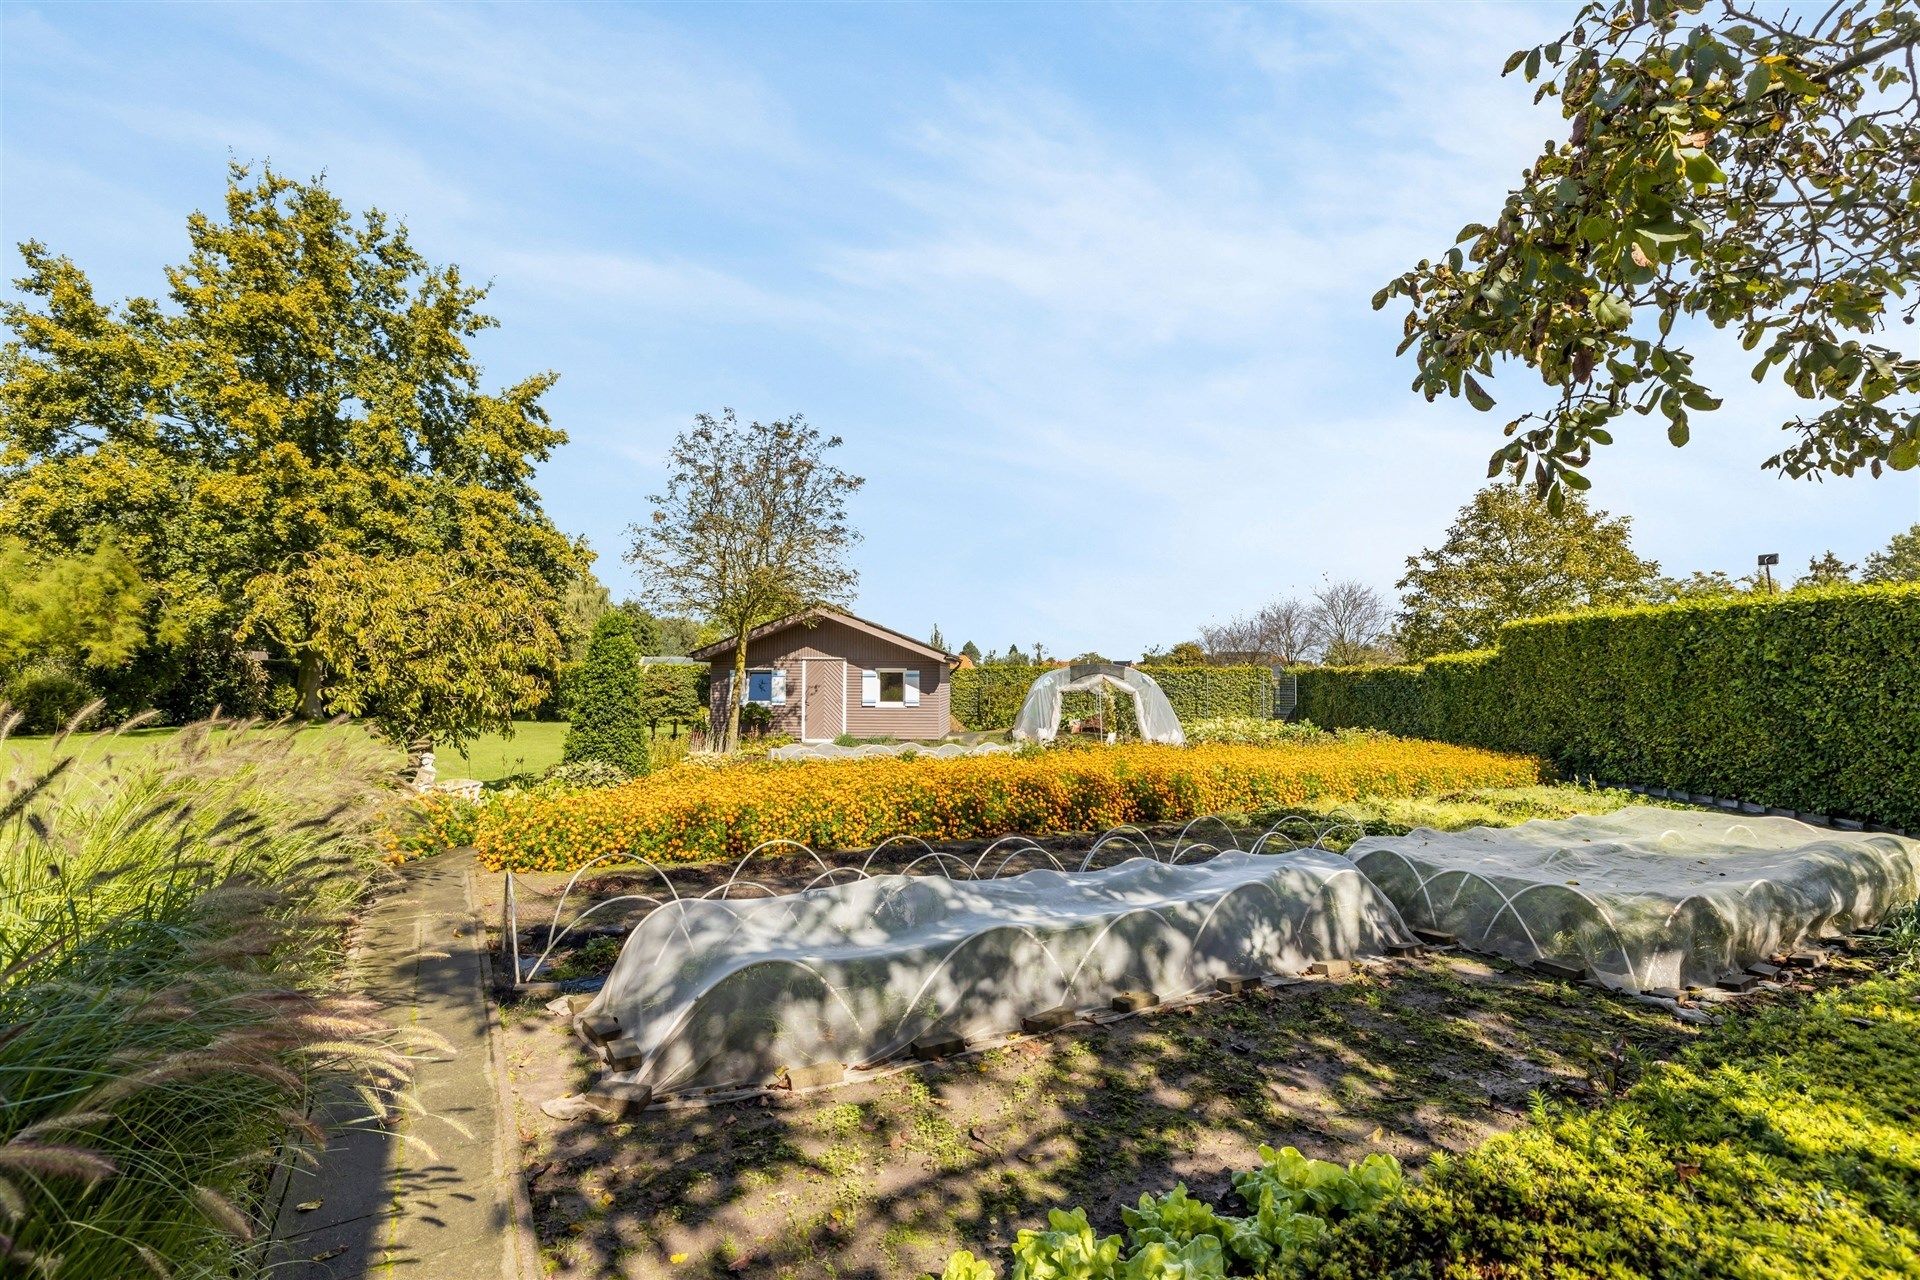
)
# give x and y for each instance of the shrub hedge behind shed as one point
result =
(989, 696)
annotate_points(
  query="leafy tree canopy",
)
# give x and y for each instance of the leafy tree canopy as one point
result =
(971, 650)
(1705, 584)
(84, 609)
(299, 425)
(752, 525)
(1900, 562)
(1826, 571)
(673, 693)
(1507, 556)
(1753, 168)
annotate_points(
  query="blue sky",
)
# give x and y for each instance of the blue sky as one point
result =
(1084, 288)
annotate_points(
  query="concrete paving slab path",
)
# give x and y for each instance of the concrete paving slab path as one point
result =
(431, 1195)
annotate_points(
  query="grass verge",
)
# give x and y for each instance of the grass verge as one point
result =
(532, 748)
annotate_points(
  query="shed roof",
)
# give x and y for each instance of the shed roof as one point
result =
(808, 617)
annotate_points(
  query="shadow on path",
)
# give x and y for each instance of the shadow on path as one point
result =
(424, 1195)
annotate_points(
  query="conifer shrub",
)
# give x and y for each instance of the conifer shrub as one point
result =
(609, 723)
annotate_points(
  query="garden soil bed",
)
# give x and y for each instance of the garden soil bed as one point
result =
(885, 1178)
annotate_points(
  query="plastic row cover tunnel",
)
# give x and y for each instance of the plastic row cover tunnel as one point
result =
(1644, 899)
(717, 992)
(1039, 717)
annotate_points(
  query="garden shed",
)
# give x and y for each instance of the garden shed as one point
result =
(822, 673)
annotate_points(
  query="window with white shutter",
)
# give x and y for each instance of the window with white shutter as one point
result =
(779, 686)
(869, 688)
(911, 691)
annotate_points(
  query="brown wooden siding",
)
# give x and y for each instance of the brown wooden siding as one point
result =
(861, 651)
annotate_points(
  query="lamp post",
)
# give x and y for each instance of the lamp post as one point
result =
(1767, 560)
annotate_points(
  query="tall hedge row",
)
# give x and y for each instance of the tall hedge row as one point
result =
(1806, 701)
(989, 697)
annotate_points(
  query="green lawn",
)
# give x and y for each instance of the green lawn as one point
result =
(533, 746)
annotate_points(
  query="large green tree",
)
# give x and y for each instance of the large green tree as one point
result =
(752, 525)
(1749, 167)
(294, 433)
(1899, 562)
(1507, 556)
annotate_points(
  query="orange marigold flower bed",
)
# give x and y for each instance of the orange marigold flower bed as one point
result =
(690, 813)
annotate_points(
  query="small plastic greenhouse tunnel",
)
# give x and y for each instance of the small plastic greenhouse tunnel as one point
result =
(1040, 715)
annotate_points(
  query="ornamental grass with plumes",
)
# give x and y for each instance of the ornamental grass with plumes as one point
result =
(170, 934)
(691, 813)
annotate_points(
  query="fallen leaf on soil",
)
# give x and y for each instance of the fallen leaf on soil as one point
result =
(329, 1254)
(308, 1206)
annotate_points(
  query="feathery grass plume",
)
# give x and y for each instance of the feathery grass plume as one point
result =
(170, 925)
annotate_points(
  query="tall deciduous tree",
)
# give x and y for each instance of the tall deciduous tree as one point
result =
(1900, 562)
(299, 426)
(1507, 556)
(1279, 631)
(1350, 619)
(751, 526)
(1749, 166)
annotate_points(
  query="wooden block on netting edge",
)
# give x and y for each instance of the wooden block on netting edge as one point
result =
(618, 1099)
(624, 1054)
(1046, 1020)
(931, 1048)
(1562, 970)
(815, 1074)
(600, 1028)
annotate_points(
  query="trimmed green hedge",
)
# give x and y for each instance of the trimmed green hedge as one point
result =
(1806, 701)
(989, 697)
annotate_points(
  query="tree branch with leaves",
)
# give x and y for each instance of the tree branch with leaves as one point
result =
(1758, 170)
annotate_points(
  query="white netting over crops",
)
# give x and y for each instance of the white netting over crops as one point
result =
(726, 992)
(1644, 898)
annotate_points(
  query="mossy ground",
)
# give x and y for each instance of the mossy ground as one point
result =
(885, 1178)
